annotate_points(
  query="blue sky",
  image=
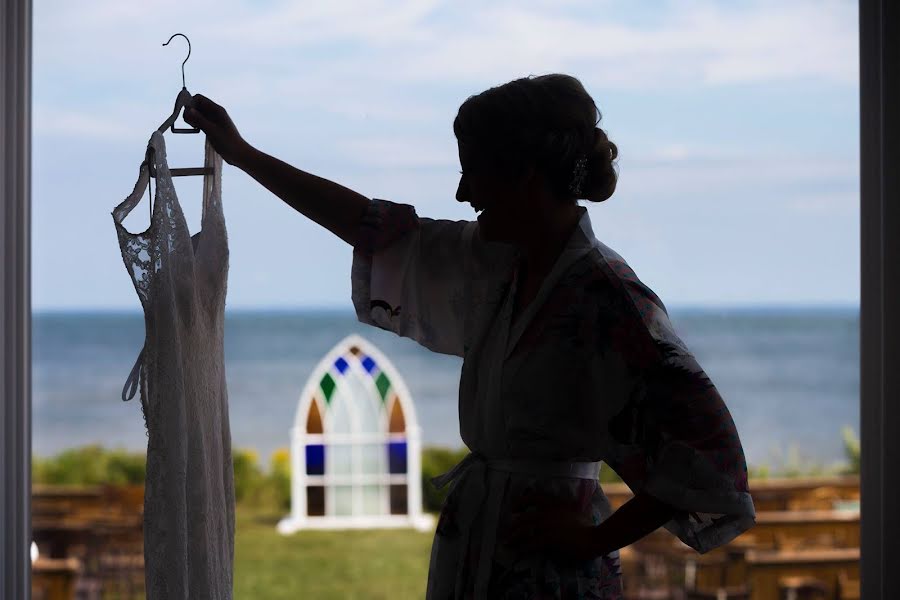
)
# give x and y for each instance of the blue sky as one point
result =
(737, 124)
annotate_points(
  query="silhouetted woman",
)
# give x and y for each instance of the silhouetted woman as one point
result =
(568, 358)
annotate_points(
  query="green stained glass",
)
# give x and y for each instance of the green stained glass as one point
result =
(327, 384)
(383, 384)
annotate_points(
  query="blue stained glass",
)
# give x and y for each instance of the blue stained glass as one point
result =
(341, 365)
(315, 459)
(368, 363)
(397, 457)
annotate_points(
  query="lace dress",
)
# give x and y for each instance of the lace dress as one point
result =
(181, 282)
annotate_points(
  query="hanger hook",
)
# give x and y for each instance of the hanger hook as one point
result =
(185, 58)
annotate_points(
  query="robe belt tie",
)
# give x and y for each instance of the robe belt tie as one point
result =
(484, 481)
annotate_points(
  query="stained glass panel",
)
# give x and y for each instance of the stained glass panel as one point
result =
(341, 365)
(314, 419)
(383, 384)
(398, 423)
(397, 456)
(315, 501)
(315, 459)
(327, 384)
(398, 499)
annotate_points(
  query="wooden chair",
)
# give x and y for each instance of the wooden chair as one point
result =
(847, 588)
(820, 498)
(643, 593)
(125, 499)
(843, 526)
(647, 576)
(825, 539)
(799, 587)
(122, 573)
(739, 592)
(53, 578)
(769, 572)
(708, 577)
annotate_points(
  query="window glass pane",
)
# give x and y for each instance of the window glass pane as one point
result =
(365, 400)
(340, 459)
(343, 500)
(339, 419)
(372, 459)
(371, 499)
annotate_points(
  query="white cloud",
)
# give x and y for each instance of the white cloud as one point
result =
(672, 152)
(804, 184)
(55, 121)
(100, 66)
(825, 204)
(398, 152)
(364, 92)
(700, 42)
(380, 42)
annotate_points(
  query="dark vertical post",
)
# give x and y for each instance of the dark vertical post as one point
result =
(880, 299)
(15, 299)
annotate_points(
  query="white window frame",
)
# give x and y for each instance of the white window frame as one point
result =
(357, 438)
(879, 45)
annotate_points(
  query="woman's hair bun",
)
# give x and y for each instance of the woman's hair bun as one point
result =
(602, 176)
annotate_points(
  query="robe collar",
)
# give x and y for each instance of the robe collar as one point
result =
(580, 242)
(582, 236)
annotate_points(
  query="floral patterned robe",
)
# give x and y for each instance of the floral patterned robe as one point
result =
(592, 370)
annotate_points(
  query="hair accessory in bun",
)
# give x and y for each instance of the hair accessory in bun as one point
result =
(578, 175)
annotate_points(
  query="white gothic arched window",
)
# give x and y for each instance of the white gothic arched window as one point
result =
(355, 445)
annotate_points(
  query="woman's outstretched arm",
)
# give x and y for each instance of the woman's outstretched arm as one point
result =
(331, 205)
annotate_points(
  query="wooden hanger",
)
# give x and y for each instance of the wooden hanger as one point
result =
(183, 100)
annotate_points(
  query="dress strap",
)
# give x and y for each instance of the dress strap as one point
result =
(133, 378)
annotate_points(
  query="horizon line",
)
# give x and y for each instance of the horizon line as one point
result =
(759, 306)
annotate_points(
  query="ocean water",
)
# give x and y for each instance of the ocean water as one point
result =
(790, 377)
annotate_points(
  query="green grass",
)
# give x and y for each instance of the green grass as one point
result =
(384, 563)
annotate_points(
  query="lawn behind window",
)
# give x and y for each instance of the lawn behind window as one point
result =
(383, 563)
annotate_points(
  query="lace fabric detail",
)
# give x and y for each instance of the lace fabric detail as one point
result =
(181, 281)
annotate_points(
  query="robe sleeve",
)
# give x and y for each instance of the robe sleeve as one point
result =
(414, 275)
(675, 438)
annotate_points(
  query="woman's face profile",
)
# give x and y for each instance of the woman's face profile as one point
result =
(501, 208)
